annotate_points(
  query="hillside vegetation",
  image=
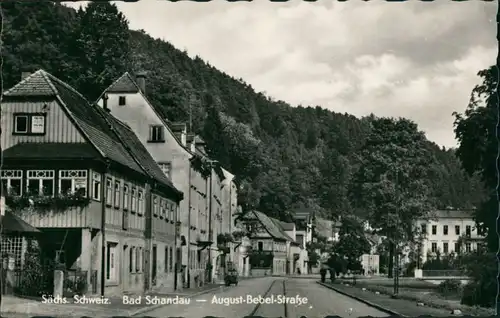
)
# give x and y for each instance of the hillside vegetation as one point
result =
(285, 157)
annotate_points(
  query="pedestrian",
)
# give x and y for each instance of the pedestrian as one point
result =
(332, 274)
(298, 270)
(322, 272)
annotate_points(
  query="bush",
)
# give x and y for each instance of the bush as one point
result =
(483, 269)
(450, 287)
(479, 294)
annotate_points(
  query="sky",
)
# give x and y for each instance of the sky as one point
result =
(413, 59)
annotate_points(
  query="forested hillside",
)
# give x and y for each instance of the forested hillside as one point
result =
(285, 157)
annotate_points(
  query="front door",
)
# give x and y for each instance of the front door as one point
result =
(153, 271)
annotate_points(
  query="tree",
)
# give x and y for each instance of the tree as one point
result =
(101, 46)
(352, 241)
(392, 183)
(476, 132)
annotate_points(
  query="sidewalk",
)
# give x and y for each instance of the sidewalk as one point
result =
(399, 307)
(16, 306)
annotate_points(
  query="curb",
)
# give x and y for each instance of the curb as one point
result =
(369, 303)
(151, 308)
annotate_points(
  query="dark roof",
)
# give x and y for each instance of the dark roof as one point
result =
(51, 151)
(459, 214)
(11, 223)
(270, 225)
(124, 84)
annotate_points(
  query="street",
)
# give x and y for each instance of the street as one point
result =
(304, 297)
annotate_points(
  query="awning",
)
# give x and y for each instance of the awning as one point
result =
(11, 223)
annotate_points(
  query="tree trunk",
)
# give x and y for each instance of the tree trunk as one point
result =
(391, 260)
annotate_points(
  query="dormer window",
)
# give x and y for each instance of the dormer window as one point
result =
(29, 124)
(156, 133)
(122, 100)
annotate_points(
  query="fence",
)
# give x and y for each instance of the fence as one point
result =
(444, 273)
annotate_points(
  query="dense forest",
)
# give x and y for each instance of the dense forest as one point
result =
(286, 158)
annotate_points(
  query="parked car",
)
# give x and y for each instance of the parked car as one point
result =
(231, 277)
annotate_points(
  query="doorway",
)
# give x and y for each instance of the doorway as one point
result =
(153, 271)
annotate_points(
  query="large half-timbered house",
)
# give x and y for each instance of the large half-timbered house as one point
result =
(82, 178)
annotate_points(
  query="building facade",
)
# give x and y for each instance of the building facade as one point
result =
(182, 157)
(446, 232)
(92, 187)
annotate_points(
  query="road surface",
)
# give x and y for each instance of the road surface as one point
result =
(304, 297)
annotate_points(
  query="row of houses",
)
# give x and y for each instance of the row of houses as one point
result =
(118, 191)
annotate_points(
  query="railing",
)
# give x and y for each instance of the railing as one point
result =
(444, 273)
(75, 282)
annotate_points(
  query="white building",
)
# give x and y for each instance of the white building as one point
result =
(448, 231)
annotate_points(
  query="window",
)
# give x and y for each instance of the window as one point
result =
(260, 246)
(467, 247)
(434, 247)
(117, 194)
(155, 205)
(161, 208)
(467, 230)
(434, 229)
(131, 261)
(445, 229)
(138, 259)
(109, 191)
(121, 100)
(457, 229)
(171, 259)
(12, 181)
(166, 259)
(457, 247)
(73, 181)
(111, 262)
(166, 167)
(171, 212)
(96, 186)
(156, 133)
(140, 207)
(445, 248)
(125, 197)
(29, 124)
(423, 228)
(41, 182)
(133, 206)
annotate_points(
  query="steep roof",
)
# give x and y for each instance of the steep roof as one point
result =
(124, 84)
(271, 226)
(106, 134)
(56, 150)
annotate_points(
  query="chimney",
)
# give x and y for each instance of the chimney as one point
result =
(25, 72)
(180, 131)
(140, 78)
(105, 103)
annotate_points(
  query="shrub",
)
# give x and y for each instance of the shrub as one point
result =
(482, 290)
(449, 287)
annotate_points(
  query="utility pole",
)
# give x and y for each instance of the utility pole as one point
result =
(395, 244)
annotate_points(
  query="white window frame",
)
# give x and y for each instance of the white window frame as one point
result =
(30, 128)
(109, 191)
(140, 201)
(124, 100)
(78, 179)
(432, 247)
(8, 176)
(41, 175)
(468, 247)
(131, 259)
(96, 186)
(157, 131)
(112, 262)
(155, 205)
(116, 193)
(162, 208)
(133, 194)
(126, 196)
(137, 259)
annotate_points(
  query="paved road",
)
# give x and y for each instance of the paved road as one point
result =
(305, 298)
